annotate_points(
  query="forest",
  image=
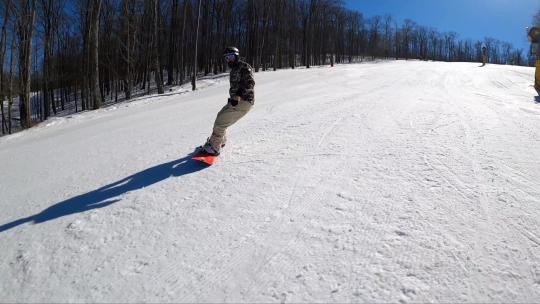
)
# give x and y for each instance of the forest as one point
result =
(66, 56)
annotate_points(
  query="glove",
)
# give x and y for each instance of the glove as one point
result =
(240, 92)
(233, 102)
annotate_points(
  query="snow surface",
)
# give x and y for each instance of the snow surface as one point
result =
(397, 181)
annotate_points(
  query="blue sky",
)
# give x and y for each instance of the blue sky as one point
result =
(471, 19)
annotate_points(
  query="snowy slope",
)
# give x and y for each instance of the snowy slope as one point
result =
(397, 181)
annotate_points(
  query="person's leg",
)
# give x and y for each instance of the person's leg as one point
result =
(537, 76)
(228, 116)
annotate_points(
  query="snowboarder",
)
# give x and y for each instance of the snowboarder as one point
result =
(241, 100)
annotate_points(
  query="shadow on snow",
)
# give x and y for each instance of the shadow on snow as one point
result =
(108, 195)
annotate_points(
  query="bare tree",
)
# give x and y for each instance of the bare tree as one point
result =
(374, 36)
(3, 47)
(194, 76)
(25, 29)
(155, 45)
(94, 53)
(126, 44)
(49, 10)
(10, 81)
(387, 36)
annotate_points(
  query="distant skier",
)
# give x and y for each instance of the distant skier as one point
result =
(534, 38)
(241, 100)
(484, 55)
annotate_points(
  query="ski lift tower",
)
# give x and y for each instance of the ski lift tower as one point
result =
(534, 37)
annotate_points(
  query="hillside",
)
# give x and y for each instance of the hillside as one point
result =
(380, 182)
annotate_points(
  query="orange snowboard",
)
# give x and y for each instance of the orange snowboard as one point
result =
(205, 158)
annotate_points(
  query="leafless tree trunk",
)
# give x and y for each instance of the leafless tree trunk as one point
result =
(26, 18)
(127, 15)
(182, 65)
(47, 16)
(194, 78)
(3, 47)
(94, 54)
(155, 48)
(10, 85)
(172, 42)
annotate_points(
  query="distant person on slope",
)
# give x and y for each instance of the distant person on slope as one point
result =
(241, 99)
(534, 38)
(484, 56)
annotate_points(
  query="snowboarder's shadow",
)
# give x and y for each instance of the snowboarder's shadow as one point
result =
(109, 194)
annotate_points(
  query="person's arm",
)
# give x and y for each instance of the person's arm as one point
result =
(246, 85)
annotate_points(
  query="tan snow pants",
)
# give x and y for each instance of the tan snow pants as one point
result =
(537, 76)
(228, 116)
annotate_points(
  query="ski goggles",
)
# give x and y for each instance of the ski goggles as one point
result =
(229, 57)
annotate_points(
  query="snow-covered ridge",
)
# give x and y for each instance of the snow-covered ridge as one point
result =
(202, 83)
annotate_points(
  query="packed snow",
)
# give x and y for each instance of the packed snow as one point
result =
(401, 181)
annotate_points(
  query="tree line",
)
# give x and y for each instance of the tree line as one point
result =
(76, 55)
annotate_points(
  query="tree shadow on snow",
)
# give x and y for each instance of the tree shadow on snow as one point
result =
(109, 194)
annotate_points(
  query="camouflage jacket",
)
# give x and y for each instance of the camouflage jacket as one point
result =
(242, 81)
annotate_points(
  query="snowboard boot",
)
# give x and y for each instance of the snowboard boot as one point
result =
(208, 149)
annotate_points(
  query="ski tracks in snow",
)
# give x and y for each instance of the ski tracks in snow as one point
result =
(281, 233)
(405, 182)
